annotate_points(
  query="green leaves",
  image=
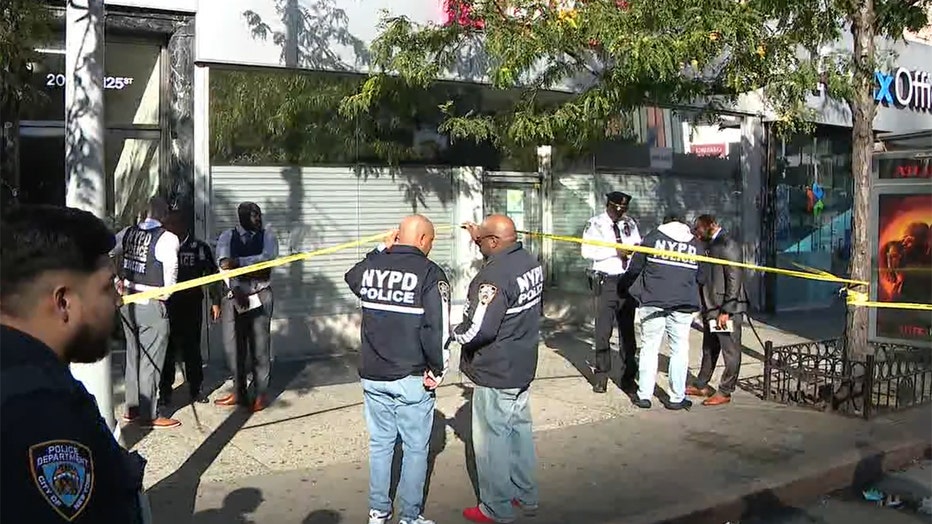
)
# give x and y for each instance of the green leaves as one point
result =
(611, 57)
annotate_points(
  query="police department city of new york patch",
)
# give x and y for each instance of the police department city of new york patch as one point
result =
(486, 293)
(444, 289)
(64, 473)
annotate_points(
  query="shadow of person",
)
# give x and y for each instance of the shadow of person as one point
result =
(438, 442)
(237, 506)
(323, 516)
(462, 428)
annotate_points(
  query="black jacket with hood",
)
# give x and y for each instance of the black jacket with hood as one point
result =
(667, 282)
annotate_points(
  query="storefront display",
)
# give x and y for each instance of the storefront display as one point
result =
(902, 236)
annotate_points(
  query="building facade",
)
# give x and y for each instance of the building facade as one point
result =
(213, 103)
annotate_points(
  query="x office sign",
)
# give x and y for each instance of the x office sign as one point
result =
(884, 92)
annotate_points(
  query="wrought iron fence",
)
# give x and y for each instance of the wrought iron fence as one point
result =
(821, 375)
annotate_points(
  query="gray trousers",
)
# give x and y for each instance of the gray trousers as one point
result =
(247, 343)
(146, 328)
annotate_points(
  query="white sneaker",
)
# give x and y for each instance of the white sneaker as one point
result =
(419, 520)
(379, 517)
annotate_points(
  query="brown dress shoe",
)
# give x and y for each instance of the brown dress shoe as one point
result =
(227, 401)
(693, 391)
(260, 404)
(161, 423)
(717, 400)
(131, 415)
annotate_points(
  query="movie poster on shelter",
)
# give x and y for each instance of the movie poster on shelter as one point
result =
(904, 263)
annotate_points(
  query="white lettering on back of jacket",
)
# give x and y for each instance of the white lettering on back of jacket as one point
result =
(530, 285)
(388, 286)
(676, 247)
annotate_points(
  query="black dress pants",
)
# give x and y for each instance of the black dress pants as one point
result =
(184, 340)
(613, 307)
(728, 345)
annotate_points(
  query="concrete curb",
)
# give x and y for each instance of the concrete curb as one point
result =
(855, 467)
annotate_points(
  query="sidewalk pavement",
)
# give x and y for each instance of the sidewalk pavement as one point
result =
(304, 459)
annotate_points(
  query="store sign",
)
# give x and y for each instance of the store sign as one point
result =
(904, 89)
(714, 150)
(904, 168)
(661, 158)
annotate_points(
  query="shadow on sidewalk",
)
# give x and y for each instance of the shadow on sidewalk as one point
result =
(462, 428)
(237, 506)
(173, 498)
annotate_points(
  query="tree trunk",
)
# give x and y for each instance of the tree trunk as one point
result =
(863, 110)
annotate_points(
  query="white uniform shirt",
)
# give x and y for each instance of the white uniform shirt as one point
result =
(269, 252)
(606, 259)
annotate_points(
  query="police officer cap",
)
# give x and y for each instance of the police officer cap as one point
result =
(617, 197)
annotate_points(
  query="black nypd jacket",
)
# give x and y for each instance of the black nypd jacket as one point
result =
(501, 327)
(667, 282)
(405, 313)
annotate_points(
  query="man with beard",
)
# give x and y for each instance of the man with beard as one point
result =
(247, 310)
(613, 304)
(186, 312)
(149, 255)
(58, 305)
(499, 336)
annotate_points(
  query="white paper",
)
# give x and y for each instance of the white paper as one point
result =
(729, 326)
(253, 303)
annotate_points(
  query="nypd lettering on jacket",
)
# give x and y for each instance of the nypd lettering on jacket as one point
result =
(137, 246)
(530, 288)
(390, 286)
(686, 248)
(405, 299)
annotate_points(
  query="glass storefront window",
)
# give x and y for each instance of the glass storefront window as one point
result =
(132, 164)
(813, 198)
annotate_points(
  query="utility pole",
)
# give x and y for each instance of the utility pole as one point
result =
(84, 150)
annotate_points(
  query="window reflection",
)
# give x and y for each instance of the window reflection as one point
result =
(133, 166)
(813, 213)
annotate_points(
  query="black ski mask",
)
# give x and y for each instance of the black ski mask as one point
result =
(250, 216)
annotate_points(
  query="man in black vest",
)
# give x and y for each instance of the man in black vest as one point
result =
(247, 309)
(149, 255)
(57, 307)
(186, 311)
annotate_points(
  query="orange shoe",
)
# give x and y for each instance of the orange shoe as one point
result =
(227, 401)
(717, 399)
(161, 423)
(693, 391)
(260, 403)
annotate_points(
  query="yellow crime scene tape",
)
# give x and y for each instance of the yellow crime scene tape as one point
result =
(854, 297)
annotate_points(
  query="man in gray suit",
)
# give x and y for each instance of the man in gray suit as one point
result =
(723, 306)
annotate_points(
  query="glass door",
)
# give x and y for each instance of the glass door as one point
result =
(42, 165)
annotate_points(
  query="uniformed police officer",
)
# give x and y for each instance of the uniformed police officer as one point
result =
(499, 335)
(405, 332)
(186, 311)
(57, 306)
(149, 255)
(247, 309)
(612, 303)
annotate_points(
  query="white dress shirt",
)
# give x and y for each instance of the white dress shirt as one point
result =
(166, 252)
(269, 252)
(606, 259)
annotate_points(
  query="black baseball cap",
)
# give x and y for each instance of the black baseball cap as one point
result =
(618, 198)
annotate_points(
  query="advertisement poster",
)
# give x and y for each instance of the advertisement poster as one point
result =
(904, 265)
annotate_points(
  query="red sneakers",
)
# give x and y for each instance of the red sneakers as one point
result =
(474, 514)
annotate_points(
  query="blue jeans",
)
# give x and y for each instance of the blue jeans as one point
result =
(654, 322)
(400, 407)
(505, 459)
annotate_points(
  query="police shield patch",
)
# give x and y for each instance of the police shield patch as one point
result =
(64, 473)
(486, 293)
(444, 289)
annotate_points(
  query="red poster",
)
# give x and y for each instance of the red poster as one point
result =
(904, 265)
(717, 150)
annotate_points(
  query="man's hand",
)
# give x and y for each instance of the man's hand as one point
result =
(390, 239)
(241, 298)
(430, 381)
(215, 313)
(472, 228)
(722, 320)
(228, 263)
